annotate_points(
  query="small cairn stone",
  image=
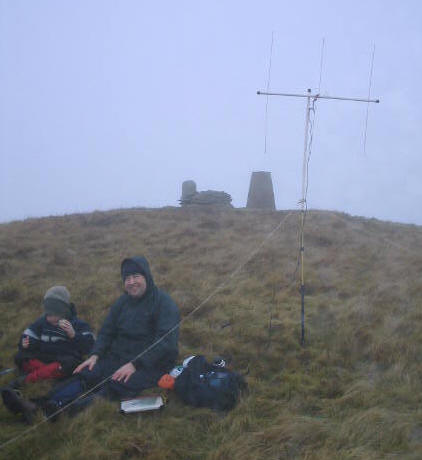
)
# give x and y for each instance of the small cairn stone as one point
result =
(190, 196)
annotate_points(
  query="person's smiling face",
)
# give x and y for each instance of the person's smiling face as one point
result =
(135, 285)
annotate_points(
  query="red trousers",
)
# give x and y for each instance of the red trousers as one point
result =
(37, 370)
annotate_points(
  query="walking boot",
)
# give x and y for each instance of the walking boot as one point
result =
(15, 403)
(18, 382)
(51, 410)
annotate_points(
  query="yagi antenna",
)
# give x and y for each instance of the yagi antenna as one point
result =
(309, 107)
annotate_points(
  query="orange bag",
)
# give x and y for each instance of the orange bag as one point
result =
(166, 381)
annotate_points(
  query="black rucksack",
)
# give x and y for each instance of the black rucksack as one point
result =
(206, 385)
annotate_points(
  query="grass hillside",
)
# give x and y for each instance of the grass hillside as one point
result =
(354, 391)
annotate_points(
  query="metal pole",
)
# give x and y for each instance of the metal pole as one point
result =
(303, 204)
(305, 149)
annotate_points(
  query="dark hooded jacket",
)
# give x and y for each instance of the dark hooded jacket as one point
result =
(50, 343)
(134, 324)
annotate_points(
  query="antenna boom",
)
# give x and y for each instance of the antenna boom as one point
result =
(318, 96)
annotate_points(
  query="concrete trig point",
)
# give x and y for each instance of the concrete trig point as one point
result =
(261, 193)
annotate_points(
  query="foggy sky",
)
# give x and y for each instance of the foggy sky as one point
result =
(107, 104)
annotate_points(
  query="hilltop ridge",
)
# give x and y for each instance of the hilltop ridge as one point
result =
(353, 391)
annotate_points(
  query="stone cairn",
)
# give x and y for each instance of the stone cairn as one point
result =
(190, 196)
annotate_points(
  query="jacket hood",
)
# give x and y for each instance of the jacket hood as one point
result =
(144, 269)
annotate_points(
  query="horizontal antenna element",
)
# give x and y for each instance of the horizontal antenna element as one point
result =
(317, 96)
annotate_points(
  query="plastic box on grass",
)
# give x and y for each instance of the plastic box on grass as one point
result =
(141, 404)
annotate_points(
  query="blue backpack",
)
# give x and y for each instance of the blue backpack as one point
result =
(206, 385)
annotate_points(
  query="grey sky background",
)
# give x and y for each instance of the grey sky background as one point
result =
(107, 104)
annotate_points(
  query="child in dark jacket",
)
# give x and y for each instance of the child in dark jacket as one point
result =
(55, 343)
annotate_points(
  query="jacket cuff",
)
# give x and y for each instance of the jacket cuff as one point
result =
(138, 364)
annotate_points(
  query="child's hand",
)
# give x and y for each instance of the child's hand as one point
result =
(67, 327)
(25, 342)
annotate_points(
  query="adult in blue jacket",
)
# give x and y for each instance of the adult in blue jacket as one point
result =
(137, 342)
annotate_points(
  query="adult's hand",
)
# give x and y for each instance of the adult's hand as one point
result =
(89, 363)
(124, 372)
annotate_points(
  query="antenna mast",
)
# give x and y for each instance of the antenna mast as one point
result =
(314, 97)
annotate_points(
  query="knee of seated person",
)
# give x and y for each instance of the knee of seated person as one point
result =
(118, 390)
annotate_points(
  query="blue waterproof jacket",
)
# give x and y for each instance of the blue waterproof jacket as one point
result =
(134, 324)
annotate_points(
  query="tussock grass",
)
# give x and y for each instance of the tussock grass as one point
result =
(354, 391)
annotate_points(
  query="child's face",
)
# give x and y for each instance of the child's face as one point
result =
(53, 320)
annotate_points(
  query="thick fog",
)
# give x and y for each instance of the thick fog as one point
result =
(108, 104)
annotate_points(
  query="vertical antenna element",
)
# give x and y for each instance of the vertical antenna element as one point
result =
(369, 96)
(268, 88)
(320, 64)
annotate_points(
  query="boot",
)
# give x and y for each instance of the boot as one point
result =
(10, 400)
(51, 410)
(14, 402)
(18, 382)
